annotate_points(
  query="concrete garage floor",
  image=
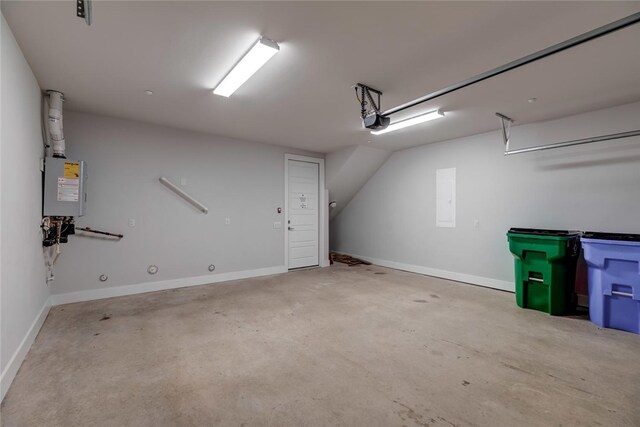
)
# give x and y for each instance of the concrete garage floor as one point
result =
(351, 346)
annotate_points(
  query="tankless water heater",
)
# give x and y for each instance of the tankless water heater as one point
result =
(64, 187)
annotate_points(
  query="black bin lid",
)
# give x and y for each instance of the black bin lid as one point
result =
(541, 232)
(612, 236)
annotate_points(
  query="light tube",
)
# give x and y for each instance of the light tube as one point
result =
(257, 56)
(432, 115)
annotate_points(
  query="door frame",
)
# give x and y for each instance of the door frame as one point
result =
(323, 209)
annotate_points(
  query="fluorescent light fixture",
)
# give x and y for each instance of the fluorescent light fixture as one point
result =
(257, 56)
(432, 115)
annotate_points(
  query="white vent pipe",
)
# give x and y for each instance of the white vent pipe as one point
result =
(56, 133)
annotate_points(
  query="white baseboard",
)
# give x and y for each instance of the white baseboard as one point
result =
(16, 360)
(583, 300)
(487, 282)
(140, 288)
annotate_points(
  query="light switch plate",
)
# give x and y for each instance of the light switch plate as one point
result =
(132, 222)
(227, 221)
(277, 224)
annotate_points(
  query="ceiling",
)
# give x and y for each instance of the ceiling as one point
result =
(303, 97)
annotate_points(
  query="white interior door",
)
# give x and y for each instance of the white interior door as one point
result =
(302, 214)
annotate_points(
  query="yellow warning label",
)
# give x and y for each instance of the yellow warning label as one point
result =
(71, 170)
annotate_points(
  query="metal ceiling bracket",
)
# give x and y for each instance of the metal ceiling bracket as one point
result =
(567, 44)
(573, 142)
(505, 123)
(363, 93)
(83, 10)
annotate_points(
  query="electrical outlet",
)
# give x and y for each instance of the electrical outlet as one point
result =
(132, 222)
(227, 221)
(277, 224)
(183, 181)
(476, 223)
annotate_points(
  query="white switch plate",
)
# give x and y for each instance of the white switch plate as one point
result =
(277, 224)
(476, 223)
(227, 221)
(183, 181)
(132, 222)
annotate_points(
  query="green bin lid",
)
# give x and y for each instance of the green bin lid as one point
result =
(612, 236)
(542, 232)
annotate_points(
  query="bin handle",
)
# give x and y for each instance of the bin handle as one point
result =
(622, 294)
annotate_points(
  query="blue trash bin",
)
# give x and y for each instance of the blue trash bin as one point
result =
(613, 262)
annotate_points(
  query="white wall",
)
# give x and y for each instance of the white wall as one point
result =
(240, 180)
(23, 291)
(348, 170)
(589, 187)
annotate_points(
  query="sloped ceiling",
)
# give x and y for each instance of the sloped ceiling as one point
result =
(348, 170)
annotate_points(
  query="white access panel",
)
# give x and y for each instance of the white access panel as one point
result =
(446, 197)
(303, 214)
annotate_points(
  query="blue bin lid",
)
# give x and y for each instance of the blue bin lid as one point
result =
(542, 232)
(612, 236)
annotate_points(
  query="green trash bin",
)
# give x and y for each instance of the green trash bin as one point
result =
(545, 262)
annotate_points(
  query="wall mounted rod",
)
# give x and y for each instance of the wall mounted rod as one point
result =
(105, 233)
(180, 192)
(575, 41)
(575, 142)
